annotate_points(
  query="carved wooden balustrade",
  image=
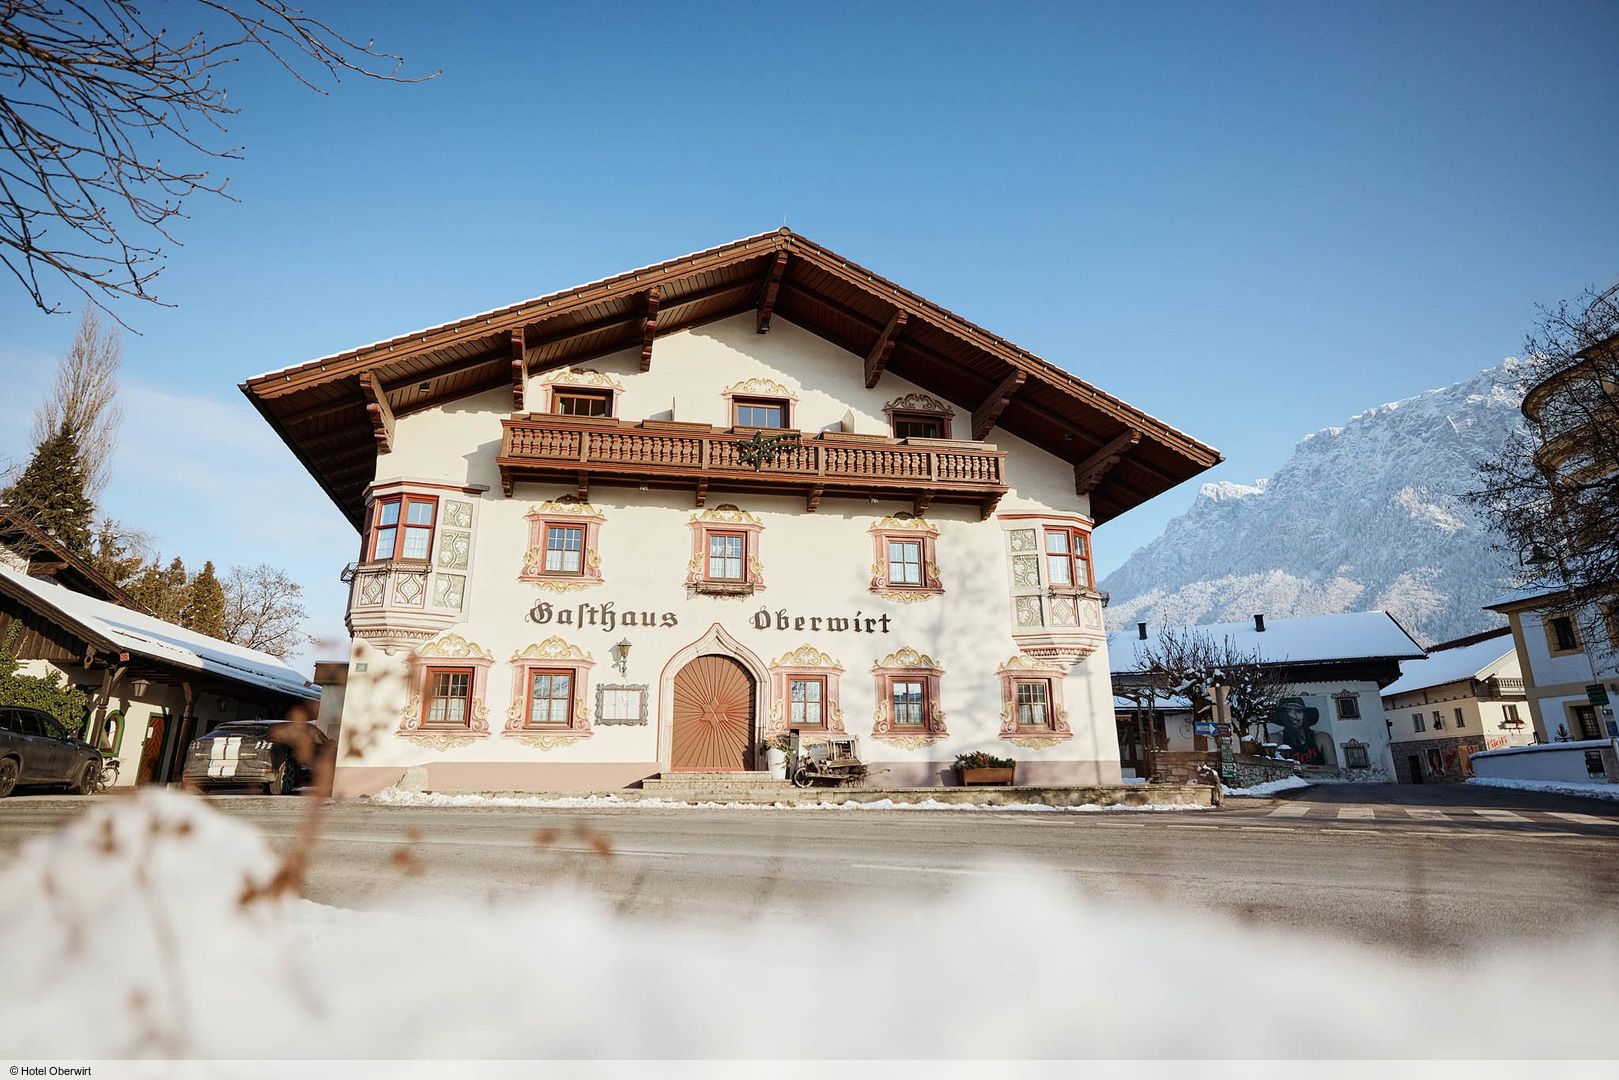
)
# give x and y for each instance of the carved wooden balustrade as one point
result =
(703, 458)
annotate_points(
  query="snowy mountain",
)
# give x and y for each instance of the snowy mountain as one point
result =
(1362, 517)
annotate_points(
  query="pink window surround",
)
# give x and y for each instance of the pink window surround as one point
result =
(552, 656)
(907, 666)
(725, 520)
(901, 579)
(557, 570)
(448, 655)
(1033, 672)
(804, 663)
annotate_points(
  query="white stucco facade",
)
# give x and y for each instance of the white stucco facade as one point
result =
(812, 602)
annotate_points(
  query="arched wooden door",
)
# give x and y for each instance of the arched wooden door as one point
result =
(713, 717)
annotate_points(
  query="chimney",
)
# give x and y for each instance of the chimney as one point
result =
(1141, 631)
(1259, 624)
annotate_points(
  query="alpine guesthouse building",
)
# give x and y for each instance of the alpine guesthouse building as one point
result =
(643, 526)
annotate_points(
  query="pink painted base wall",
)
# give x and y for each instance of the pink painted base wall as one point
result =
(477, 776)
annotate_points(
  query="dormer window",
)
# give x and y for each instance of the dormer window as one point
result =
(759, 412)
(574, 401)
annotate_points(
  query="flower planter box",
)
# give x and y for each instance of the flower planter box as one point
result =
(975, 777)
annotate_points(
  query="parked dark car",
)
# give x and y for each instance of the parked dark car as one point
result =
(256, 753)
(35, 750)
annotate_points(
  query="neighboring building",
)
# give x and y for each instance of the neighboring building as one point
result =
(1145, 724)
(1569, 680)
(31, 551)
(641, 526)
(1337, 666)
(153, 686)
(1569, 654)
(1466, 697)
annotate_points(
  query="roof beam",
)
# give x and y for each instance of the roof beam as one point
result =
(380, 412)
(767, 292)
(990, 410)
(519, 367)
(877, 358)
(1088, 473)
(649, 325)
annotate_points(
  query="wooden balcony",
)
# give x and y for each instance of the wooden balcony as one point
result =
(703, 459)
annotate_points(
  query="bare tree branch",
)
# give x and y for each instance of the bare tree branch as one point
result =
(108, 125)
(85, 398)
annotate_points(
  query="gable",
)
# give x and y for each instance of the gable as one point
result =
(335, 412)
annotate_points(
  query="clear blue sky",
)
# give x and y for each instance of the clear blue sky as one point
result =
(1251, 221)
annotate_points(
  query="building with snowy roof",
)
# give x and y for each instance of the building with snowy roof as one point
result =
(1335, 666)
(649, 528)
(1467, 696)
(153, 686)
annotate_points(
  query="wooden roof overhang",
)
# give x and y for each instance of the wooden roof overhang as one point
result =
(334, 413)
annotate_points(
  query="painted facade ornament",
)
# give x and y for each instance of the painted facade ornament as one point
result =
(906, 657)
(582, 377)
(911, 665)
(759, 387)
(806, 656)
(552, 648)
(454, 647)
(918, 402)
(725, 518)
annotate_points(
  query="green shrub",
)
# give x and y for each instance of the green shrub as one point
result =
(49, 692)
(980, 760)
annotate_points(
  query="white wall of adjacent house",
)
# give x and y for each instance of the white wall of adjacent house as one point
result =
(814, 566)
(1557, 679)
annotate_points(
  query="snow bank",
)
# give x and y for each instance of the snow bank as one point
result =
(136, 931)
(395, 796)
(1554, 787)
(1268, 788)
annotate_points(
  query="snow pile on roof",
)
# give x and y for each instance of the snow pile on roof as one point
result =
(395, 796)
(1358, 635)
(106, 962)
(1450, 665)
(148, 636)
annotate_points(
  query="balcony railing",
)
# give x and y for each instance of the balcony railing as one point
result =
(702, 458)
(1499, 687)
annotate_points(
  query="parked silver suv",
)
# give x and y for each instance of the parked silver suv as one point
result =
(35, 750)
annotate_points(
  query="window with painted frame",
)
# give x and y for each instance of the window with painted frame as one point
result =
(563, 544)
(1355, 756)
(447, 695)
(1562, 635)
(1068, 563)
(908, 702)
(575, 401)
(1348, 707)
(806, 702)
(402, 529)
(550, 701)
(905, 558)
(1032, 700)
(761, 412)
(726, 558)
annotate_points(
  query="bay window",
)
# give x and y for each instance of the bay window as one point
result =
(402, 528)
(1067, 559)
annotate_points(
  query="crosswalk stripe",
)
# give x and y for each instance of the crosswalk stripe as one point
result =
(1499, 815)
(1425, 813)
(1356, 813)
(1582, 819)
(1291, 810)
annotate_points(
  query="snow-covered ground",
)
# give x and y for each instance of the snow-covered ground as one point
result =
(1268, 788)
(152, 925)
(400, 797)
(1554, 787)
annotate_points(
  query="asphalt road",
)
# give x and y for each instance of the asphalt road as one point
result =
(1428, 868)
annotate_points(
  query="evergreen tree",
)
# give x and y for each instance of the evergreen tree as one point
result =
(50, 491)
(163, 590)
(205, 603)
(115, 554)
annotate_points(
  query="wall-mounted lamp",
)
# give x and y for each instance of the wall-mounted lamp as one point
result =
(139, 687)
(623, 661)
